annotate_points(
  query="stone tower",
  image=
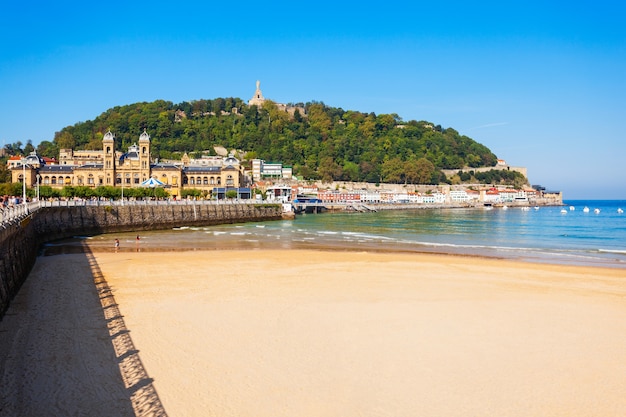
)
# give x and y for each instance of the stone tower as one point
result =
(108, 163)
(144, 154)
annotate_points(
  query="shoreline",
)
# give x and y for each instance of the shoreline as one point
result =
(313, 332)
(82, 245)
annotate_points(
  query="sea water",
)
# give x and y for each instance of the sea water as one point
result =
(556, 234)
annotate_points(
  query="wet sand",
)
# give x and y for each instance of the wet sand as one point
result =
(313, 333)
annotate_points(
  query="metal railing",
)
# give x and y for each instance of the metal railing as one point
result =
(16, 212)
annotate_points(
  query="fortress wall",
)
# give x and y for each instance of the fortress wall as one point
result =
(20, 239)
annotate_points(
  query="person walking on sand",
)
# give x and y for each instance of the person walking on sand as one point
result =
(117, 244)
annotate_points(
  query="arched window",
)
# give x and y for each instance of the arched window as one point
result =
(212, 180)
(229, 180)
(205, 180)
(193, 181)
(219, 180)
(54, 180)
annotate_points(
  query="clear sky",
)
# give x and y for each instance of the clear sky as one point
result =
(541, 83)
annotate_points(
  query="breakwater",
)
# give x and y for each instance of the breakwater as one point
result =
(21, 237)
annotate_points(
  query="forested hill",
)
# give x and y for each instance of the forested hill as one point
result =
(323, 143)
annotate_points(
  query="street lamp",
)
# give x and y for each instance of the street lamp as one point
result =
(23, 160)
(38, 178)
(122, 189)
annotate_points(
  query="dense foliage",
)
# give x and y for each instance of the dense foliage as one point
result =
(323, 143)
(492, 176)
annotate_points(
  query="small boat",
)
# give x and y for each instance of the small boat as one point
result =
(597, 210)
(563, 211)
(620, 211)
(525, 208)
(505, 207)
(586, 209)
(536, 207)
(572, 208)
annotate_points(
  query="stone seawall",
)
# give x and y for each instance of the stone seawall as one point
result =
(21, 238)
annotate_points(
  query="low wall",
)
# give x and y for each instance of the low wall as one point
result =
(20, 239)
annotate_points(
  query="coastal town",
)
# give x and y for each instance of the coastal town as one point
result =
(220, 174)
(215, 176)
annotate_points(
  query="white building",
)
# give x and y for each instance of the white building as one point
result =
(275, 170)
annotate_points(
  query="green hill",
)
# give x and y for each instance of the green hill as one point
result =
(320, 142)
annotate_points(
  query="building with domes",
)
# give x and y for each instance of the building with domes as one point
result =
(108, 167)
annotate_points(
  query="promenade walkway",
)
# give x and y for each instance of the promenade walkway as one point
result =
(17, 212)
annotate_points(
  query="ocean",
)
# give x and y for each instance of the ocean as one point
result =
(560, 235)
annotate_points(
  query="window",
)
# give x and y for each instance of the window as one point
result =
(205, 181)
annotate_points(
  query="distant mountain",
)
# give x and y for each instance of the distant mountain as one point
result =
(319, 141)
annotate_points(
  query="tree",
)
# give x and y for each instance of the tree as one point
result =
(48, 149)
(424, 170)
(14, 148)
(350, 171)
(29, 147)
(392, 170)
(329, 169)
(65, 140)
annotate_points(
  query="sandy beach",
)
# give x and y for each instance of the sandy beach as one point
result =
(313, 333)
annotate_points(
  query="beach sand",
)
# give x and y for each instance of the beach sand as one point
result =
(313, 333)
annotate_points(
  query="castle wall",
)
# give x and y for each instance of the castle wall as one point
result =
(21, 238)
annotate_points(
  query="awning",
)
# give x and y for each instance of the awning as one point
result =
(152, 182)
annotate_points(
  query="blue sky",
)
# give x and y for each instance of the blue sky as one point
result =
(542, 84)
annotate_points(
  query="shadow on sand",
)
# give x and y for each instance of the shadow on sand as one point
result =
(65, 349)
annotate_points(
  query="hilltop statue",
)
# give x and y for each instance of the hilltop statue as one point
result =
(257, 99)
